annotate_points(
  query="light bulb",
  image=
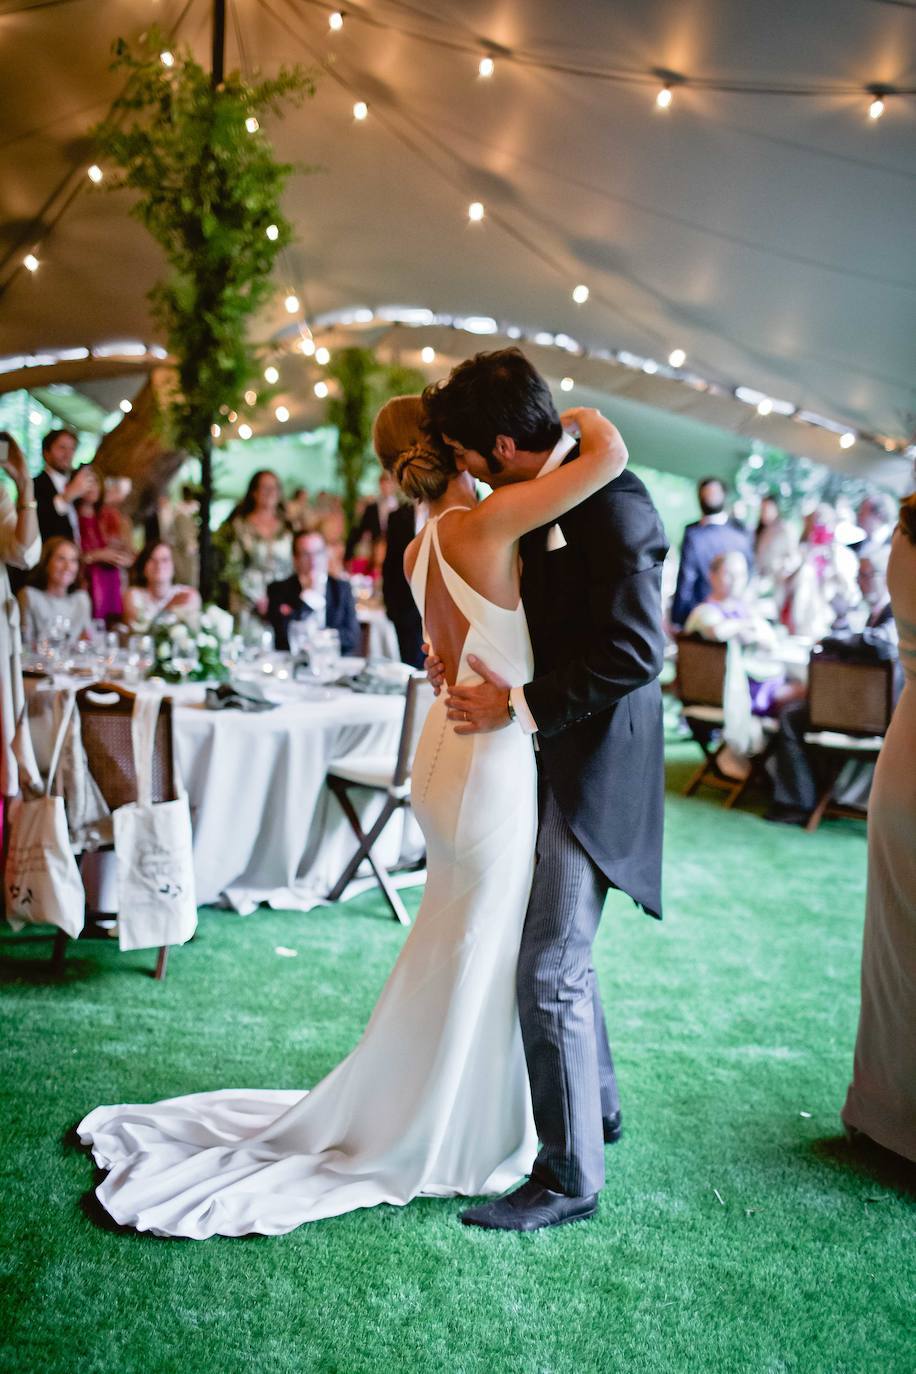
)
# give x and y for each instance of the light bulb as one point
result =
(245, 431)
(664, 98)
(272, 232)
(307, 346)
(335, 21)
(876, 108)
(322, 356)
(765, 407)
(126, 406)
(95, 173)
(35, 417)
(580, 294)
(677, 357)
(251, 398)
(282, 414)
(252, 125)
(848, 439)
(427, 354)
(271, 375)
(360, 110)
(475, 211)
(167, 59)
(292, 304)
(215, 431)
(321, 390)
(487, 67)
(567, 384)
(232, 417)
(30, 262)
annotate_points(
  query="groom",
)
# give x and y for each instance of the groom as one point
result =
(591, 592)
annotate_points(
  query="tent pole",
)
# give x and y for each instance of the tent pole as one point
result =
(206, 448)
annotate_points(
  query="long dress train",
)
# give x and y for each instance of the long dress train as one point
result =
(434, 1099)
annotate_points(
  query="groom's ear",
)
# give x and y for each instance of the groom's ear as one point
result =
(504, 448)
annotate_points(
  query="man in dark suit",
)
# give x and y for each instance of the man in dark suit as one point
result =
(591, 587)
(58, 487)
(712, 534)
(403, 525)
(375, 517)
(795, 788)
(311, 594)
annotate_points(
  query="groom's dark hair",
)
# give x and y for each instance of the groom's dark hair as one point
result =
(491, 394)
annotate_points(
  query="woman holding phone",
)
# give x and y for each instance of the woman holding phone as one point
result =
(20, 547)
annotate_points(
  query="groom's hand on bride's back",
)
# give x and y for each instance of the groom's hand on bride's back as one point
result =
(435, 669)
(476, 709)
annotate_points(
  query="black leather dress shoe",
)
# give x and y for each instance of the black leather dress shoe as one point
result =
(530, 1208)
(613, 1129)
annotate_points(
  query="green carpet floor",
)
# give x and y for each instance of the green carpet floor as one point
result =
(738, 1231)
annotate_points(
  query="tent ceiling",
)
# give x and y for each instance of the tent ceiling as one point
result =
(769, 236)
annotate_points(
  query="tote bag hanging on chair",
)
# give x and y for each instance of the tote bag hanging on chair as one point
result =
(43, 884)
(156, 898)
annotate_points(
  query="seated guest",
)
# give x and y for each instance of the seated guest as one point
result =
(795, 785)
(158, 591)
(312, 594)
(726, 614)
(51, 598)
(713, 534)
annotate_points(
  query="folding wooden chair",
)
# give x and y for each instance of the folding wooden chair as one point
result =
(105, 724)
(850, 706)
(390, 775)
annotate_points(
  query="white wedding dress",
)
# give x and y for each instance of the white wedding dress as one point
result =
(434, 1099)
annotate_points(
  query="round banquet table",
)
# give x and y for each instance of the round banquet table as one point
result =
(265, 826)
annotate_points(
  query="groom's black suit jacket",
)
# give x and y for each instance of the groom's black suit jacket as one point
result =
(594, 613)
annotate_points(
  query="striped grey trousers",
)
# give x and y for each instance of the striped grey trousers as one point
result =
(573, 1085)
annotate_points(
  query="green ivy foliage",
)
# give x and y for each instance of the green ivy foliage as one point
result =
(207, 189)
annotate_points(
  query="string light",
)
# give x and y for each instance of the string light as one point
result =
(251, 398)
(321, 390)
(292, 304)
(580, 294)
(126, 407)
(567, 384)
(282, 414)
(232, 417)
(664, 98)
(30, 262)
(272, 232)
(215, 431)
(848, 439)
(876, 108)
(167, 59)
(335, 21)
(252, 125)
(487, 67)
(271, 375)
(427, 354)
(360, 110)
(95, 173)
(765, 407)
(475, 211)
(307, 346)
(245, 431)
(677, 357)
(322, 356)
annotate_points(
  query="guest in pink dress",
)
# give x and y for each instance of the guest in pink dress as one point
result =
(104, 556)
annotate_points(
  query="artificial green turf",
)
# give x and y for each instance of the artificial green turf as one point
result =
(729, 1021)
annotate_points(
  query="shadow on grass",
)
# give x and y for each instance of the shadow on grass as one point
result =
(864, 1158)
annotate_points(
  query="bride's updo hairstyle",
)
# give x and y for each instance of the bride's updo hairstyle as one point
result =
(421, 466)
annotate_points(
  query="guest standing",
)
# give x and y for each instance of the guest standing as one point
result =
(255, 545)
(103, 562)
(157, 592)
(58, 487)
(51, 598)
(881, 1102)
(404, 525)
(311, 594)
(373, 523)
(20, 547)
(712, 534)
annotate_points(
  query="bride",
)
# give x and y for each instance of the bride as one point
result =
(434, 1099)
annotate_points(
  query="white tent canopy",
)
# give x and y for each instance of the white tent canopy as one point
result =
(766, 234)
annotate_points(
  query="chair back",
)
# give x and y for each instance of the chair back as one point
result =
(700, 677)
(105, 724)
(849, 698)
(419, 699)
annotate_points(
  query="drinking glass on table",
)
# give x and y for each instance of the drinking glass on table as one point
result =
(299, 634)
(324, 655)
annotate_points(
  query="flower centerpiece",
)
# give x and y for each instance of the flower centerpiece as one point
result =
(190, 648)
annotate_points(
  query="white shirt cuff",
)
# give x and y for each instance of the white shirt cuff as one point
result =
(522, 712)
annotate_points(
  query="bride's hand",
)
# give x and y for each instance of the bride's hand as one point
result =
(597, 433)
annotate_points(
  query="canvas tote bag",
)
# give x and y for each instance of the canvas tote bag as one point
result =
(43, 884)
(155, 870)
